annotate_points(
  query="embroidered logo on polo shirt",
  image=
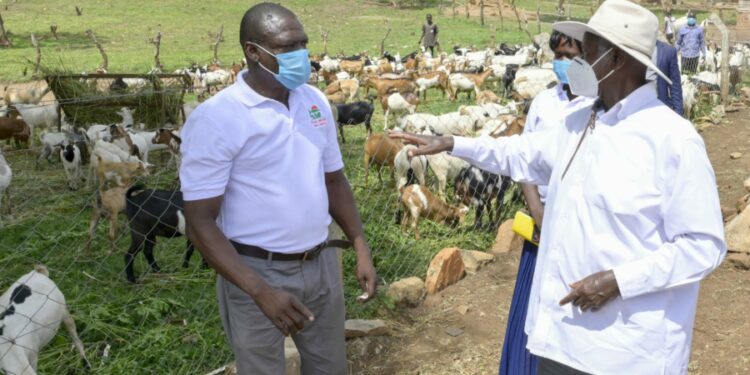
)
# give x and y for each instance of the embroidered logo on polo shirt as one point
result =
(316, 117)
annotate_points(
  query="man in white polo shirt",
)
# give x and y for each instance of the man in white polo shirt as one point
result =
(262, 178)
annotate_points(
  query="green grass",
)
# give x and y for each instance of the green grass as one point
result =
(141, 326)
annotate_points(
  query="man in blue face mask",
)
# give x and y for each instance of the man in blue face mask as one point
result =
(691, 44)
(262, 178)
(545, 113)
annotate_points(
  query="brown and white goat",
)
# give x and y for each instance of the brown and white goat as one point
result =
(172, 140)
(418, 202)
(15, 129)
(380, 150)
(109, 203)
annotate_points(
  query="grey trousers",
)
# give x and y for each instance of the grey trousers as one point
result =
(258, 345)
(549, 367)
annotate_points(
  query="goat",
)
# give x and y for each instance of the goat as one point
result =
(51, 141)
(487, 96)
(33, 309)
(172, 141)
(469, 82)
(418, 202)
(121, 173)
(348, 88)
(446, 168)
(15, 129)
(153, 213)
(398, 103)
(477, 187)
(72, 162)
(431, 79)
(6, 176)
(353, 114)
(383, 86)
(380, 150)
(15, 96)
(36, 116)
(403, 165)
(529, 82)
(109, 203)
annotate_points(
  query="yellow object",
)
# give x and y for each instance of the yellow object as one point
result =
(523, 225)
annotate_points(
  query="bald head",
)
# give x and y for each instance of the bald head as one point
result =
(265, 19)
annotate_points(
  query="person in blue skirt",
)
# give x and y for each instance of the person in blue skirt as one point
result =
(546, 112)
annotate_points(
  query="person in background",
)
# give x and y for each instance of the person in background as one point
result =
(669, 25)
(665, 58)
(632, 222)
(429, 35)
(546, 112)
(262, 178)
(691, 44)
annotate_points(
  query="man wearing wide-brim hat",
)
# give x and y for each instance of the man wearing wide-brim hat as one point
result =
(632, 221)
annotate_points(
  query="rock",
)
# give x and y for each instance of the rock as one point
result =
(454, 331)
(292, 358)
(446, 269)
(727, 211)
(474, 260)
(361, 328)
(463, 309)
(739, 260)
(735, 155)
(747, 185)
(506, 240)
(737, 232)
(742, 203)
(433, 300)
(409, 291)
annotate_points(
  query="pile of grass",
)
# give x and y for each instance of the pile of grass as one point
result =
(154, 105)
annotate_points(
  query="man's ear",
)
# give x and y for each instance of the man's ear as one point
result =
(619, 58)
(251, 52)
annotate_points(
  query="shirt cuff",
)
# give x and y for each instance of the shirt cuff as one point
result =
(334, 167)
(632, 278)
(201, 194)
(463, 147)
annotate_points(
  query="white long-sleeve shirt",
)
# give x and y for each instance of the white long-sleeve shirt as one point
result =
(546, 112)
(640, 198)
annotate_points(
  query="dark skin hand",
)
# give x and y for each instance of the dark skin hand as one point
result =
(280, 33)
(593, 291)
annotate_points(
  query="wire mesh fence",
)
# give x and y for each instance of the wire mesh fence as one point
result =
(168, 321)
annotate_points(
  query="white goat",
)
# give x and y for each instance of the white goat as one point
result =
(402, 163)
(24, 96)
(70, 155)
(6, 175)
(33, 309)
(446, 168)
(399, 105)
(530, 82)
(38, 116)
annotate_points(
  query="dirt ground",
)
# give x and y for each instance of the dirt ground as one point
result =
(420, 345)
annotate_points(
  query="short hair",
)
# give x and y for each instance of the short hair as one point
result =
(252, 26)
(556, 38)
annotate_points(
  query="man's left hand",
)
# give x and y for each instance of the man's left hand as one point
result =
(593, 291)
(366, 275)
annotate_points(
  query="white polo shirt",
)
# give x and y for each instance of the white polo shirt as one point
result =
(268, 161)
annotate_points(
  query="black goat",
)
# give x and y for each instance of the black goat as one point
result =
(354, 114)
(508, 77)
(476, 187)
(153, 213)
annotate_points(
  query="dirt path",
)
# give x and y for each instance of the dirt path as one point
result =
(420, 344)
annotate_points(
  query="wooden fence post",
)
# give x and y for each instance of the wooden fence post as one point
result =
(481, 12)
(538, 18)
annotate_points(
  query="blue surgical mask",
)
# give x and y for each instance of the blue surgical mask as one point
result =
(294, 67)
(691, 21)
(560, 67)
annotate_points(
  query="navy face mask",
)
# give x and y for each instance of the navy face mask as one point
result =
(294, 67)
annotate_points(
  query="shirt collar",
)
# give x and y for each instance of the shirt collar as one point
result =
(561, 94)
(631, 104)
(247, 95)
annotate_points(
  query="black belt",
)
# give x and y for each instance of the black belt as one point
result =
(257, 252)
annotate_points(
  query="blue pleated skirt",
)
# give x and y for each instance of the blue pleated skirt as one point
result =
(516, 359)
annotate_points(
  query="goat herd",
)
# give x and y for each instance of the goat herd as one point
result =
(109, 157)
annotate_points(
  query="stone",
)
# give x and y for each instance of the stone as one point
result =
(454, 331)
(446, 269)
(747, 185)
(362, 328)
(474, 260)
(409, 291)
(433, 300)
(741, 203)
(739, 260)
(292, 359)
(737, 232)
(506, 240)
(727, 211)
(463, 309)
(735, 155)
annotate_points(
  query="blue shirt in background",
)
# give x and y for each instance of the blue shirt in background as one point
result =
(691, 41)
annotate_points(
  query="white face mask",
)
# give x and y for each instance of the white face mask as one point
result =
(582, 79)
